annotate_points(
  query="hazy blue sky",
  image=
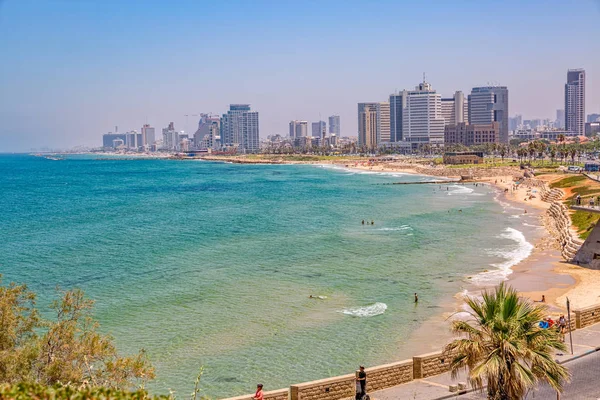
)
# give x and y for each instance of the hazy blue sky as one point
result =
(71, 70)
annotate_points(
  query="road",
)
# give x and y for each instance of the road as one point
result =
(584, 385)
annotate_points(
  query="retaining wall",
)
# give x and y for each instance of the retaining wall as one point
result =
(587, 316)
(388, 375)
(340, 387)
(431, 364)
(282, 394)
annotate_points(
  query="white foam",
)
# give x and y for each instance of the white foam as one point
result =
(367, 311)
(533, 226)
(516, 216)
(513, 255)
(401, 228)
(460, 190)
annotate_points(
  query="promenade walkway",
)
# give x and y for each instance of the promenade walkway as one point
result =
(585, 341)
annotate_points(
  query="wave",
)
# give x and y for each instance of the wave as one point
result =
(533, 226)
(367, 311)
(401, 228)
(513, 255)
(460, 190)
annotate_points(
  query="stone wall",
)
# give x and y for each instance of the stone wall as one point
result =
(587, 316)
(431, 364)
(388, 375)
(340, 387)
(282, 394)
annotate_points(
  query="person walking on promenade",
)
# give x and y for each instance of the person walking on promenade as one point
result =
(361, 380)
(562, 327)
(259, 392)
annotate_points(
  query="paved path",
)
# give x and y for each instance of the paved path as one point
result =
(584, 363)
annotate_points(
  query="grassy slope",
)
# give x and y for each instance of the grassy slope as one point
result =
(582, 220)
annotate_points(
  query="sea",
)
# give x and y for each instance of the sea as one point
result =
(213, 264)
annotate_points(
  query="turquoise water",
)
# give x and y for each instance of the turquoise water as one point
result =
(212, 264)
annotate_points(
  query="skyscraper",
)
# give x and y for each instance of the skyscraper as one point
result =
(575, 101)
(593, 117)
(298, 129)
(383, 122)
(560, 119)
(147, 135)
(397, 105)
(334, 125)
(422, 119)
(515, 122)
(170, 138)
(367, 125)
(208, 133)
(490, 104)
(454, 109)
(319, 129)
(240, 128)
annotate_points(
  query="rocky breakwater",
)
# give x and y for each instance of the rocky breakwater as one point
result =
(559, 222)
(568, 240)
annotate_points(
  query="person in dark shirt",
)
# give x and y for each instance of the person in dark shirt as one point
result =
(362, 380)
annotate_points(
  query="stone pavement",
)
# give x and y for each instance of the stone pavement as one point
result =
(585, 341)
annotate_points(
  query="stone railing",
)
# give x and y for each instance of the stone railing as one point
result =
(282, 394)
(388, 375)
(339, 387)
(431, 364)
(587, 316)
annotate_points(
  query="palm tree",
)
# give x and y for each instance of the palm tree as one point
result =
(504, 348)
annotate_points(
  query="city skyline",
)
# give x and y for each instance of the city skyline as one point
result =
(76, 70)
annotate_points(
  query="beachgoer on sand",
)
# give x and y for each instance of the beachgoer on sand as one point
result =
(259, 392)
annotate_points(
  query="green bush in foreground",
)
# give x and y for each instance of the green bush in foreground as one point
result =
(67, 350)
(56, 392)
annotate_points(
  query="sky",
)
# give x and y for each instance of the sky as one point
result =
(71, 70)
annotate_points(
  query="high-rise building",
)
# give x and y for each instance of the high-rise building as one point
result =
(575, 101)
(397, 104)
(560, 119)
(593, 117)
(422, 119)
(240, 128)
(471, 134)
(147, 135)
(208, 136)
(490, 104)
(334, 125)
(455, 109)
(367, 125)
(515, 122)
(319, 129)
(171, 139)
(298, 129)
(383, 121)
(592, 128)
(108, 139)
